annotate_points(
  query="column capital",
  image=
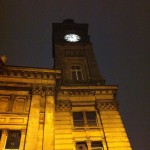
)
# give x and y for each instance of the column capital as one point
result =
(5, 131)
(37, 90)
(23, 131)
(49, 91)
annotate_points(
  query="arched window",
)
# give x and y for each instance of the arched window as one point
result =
(76, 72)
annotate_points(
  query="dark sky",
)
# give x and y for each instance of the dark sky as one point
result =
(120, 33)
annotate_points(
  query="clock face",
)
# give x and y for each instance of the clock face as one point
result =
(72, 37)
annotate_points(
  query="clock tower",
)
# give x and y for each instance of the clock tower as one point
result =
(73, 54)
(86, 114)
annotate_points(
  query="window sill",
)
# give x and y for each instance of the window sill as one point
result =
(87, 128)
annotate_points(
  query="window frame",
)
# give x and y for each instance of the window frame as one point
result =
(76, 72)
(81, 143)
(85, 120)
(10, 139)
(100, 147)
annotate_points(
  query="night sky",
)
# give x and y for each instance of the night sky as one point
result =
(120, 33)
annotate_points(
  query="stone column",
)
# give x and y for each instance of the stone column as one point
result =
(22, 140)
(3, 138)
(33, 121)
(49, 121)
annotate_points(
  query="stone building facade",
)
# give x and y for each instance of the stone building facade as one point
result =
(68, 107)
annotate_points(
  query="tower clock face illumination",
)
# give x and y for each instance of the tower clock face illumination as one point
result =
(72, 37)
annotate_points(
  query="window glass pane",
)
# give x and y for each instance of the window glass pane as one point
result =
(79, 75)
(97, 145)
(81, 146)
(73, 75)
(91, 118)
(78, 119)
(76, 72)
(73, 67)
(78, 67)
(13, 139)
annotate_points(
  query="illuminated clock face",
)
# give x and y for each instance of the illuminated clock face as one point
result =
(72, 37)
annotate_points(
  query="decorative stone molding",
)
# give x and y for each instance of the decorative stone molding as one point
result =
(76, 92)
(107, 105)
(74, 53)
(17, 72)
(37, 90)
(5, 131)
(63, 106)
(85, 92)
(23, 131)
(49, 91)
(11, 103)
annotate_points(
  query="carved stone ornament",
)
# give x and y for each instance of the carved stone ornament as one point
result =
(23, 131)
(5, 131)
(107, 105)
(37, 90)
(63, 106)
(49, 91)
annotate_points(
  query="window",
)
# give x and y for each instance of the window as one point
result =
(78, 119)
(76, 72)
(91, 118)
(81, 146)
(13, 139)
(84, 119)
(96, 145)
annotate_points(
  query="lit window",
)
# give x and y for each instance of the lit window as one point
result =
(13, 139)
(76, 72)
(84, 118)
(96, 145)
(81, 146)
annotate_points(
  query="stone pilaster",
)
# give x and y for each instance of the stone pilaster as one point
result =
(3, 138)
(74, 145)
(33, 122)
(113, 129)
(88, 145)
(40, 137)
(49, 121)
(22, 140)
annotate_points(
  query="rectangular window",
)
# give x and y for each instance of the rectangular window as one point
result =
(78, 119)
(96, 145)
(13, 139)
(84, 119)
(76, 73)
(91, 118)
